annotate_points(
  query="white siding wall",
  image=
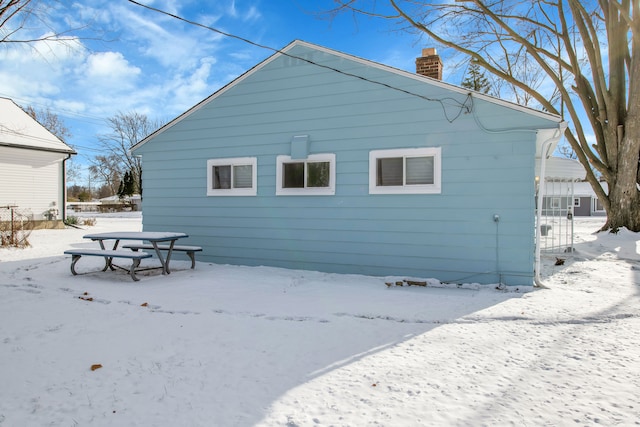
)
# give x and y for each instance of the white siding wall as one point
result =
(31, 180)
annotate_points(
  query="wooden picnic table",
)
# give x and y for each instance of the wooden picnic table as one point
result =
(153, 237)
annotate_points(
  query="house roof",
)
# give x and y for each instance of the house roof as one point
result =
(285, 51)
(570, 188)
(20, 130)
(562, 169)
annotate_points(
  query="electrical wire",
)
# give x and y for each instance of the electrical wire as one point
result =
(463, 107)
(60, 111)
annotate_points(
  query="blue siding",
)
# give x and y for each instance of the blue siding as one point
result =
(449, 236)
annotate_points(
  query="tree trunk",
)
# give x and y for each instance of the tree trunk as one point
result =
(624, 211)
(624, 197)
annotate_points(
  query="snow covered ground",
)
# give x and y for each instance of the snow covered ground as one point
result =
(254, 346)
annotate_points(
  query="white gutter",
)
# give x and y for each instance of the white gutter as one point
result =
(543, 158)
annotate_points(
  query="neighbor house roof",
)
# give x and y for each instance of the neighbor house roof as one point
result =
(562, 169)
(415, 76)
(20, 130)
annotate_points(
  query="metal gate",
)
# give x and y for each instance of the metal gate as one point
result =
(556, 220)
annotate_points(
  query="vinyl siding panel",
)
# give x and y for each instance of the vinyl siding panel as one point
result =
(449, 236)
(31, 180)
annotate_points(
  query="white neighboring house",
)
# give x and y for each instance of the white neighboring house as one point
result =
(566, 189)
(585, 201)
(32, 167)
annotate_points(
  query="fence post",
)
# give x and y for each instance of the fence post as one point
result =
(12, 239)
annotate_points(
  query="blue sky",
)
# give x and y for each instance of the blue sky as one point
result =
(134, 59)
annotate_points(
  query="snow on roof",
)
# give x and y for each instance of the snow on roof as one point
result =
(562, 169)
(18, 129)
(115, 198)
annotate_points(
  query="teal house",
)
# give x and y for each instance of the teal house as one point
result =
(319, 160)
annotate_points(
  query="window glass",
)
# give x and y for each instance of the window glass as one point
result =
(232, 176)
(221, 177)
(405, 171)
(242, 176)
(598, 205)
(318, 174)
(419, 170)
(293, 175)
(389, 171)
(312, 176)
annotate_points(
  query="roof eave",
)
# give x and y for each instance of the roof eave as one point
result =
(31, 147)
(277, 53)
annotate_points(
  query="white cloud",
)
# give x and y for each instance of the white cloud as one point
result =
(252, 15)
(70, 106)
(30, 72)
(232, 10)
(111, 66)
(188, 89)
(143, 61)
(165, 40)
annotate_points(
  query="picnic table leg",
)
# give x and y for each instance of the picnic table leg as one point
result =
(134, 265)
(164, 262)
(192, 255)
(74, 259)
(169, 255)
(107, 260)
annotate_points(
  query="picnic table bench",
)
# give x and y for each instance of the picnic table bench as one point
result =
(189, 250)
(108, 255)
(155, 239)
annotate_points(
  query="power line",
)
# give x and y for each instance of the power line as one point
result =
(60, 111)
(461, 105)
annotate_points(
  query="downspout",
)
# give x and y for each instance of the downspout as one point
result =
(543, 159)
(63, 208)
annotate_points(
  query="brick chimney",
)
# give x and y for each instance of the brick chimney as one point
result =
(429, 64)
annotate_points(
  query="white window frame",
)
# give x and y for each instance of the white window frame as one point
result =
(435, 188)
(576, 202)
(306, 191)
(236, 161)
(596, 204)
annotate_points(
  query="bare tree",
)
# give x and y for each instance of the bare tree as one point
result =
(51, 121)
(54, 124)
(106, 169)
(127, 129)
(18, 19)
(587, 51)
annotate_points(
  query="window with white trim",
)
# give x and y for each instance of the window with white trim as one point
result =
(232, 177)
(315, 175)
(576, 202)
(597, 205)
(405, 171)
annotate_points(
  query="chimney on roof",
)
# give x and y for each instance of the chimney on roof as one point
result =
(429, 64)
